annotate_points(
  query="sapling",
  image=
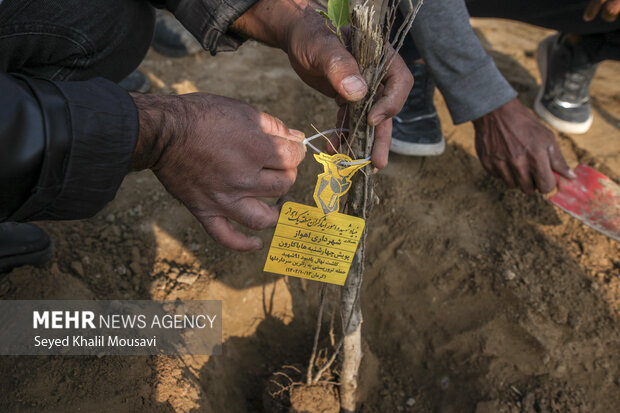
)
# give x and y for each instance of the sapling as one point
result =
(374, 46)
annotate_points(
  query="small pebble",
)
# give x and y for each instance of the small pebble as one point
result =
(187, 278)
(410, 401)
(444, 382)
(561, 368)
(509, 275)
(135, 267)
(173, 273)
(76, 266)
(54, 269)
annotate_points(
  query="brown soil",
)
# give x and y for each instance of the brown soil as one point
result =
(476, 298)
(315, 399)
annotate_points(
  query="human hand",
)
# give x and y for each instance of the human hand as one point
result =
(609, 10)
(218, 156)
(514, 145)
(320, 60)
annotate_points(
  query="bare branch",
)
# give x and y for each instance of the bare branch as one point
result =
(317, 333)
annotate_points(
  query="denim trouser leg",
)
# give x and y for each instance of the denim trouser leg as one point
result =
(74, 39)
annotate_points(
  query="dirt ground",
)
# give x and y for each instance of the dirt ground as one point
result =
(476, 298)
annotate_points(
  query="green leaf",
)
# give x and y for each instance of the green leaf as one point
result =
(322, 13)
(338, 12)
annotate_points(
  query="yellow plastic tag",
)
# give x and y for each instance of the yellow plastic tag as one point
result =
(309, 244)
(335, 181)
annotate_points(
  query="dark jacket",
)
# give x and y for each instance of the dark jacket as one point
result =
(66, 146)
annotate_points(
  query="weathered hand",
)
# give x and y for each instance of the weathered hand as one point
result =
(217, 156)
(609, 10)
(321, 61)
(514, 145)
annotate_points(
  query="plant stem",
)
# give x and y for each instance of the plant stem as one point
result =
(367, 51)
(317, 333)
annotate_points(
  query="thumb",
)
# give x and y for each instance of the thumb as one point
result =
(558, 163)
(342, 72)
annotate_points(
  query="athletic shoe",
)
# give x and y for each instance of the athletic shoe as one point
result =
(417, 129)
(564, 97)
(172, 39)
(23, 244)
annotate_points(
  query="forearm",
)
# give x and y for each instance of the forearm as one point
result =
(465, 74)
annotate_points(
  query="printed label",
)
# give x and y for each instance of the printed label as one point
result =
(309, 244)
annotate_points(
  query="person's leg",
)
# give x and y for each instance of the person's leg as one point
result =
(417, 129)
(567, 61)
(68, 40)
(73, 39)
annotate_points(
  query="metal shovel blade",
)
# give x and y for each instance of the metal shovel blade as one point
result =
(592, 198)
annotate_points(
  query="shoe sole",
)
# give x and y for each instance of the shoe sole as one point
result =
(36, 258)
(418, 149)
(576, 128)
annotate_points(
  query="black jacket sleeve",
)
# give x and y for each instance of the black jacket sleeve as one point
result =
(209, 20)
(65, 146)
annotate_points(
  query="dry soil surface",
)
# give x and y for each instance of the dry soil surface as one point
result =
(476, 298)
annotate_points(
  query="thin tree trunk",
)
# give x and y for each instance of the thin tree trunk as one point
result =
(370, 35)
(359, 203)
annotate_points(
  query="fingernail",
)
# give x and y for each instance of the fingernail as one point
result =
(354, 86)
(297, 133)
(377, 120)
(572, 174)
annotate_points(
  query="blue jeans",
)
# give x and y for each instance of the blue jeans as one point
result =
(107, 39)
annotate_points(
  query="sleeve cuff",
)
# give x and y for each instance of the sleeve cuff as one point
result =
(477, 93)
(209, 20)
(103, 130)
